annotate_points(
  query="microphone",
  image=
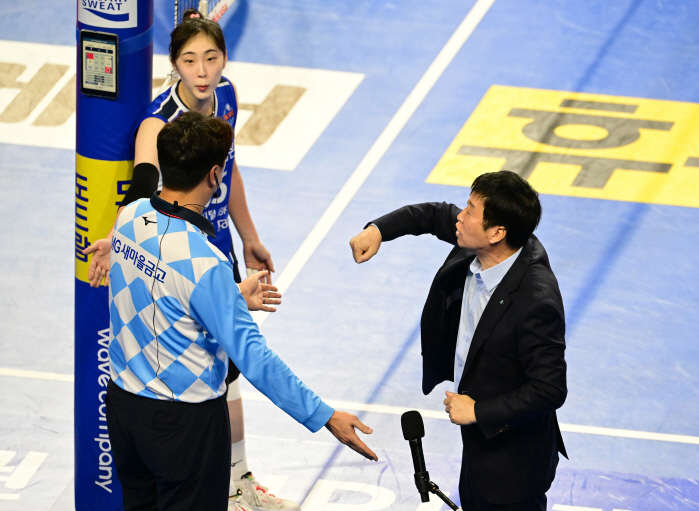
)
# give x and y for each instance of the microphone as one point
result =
(413, 431)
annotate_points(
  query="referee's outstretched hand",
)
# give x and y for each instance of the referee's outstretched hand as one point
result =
(342, 425)
(99, 265)
(258, 295)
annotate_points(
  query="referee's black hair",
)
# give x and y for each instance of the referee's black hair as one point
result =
(189, 147)
(509, 201)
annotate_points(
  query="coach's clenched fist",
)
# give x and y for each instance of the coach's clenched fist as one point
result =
(365, 244)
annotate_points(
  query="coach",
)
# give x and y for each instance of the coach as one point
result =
(493, 323)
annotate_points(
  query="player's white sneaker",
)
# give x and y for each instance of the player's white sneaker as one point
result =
(259, 499)
(237, 503)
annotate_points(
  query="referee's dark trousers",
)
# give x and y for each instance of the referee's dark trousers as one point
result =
(170, 455)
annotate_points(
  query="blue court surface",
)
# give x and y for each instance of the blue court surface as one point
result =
(403, 102)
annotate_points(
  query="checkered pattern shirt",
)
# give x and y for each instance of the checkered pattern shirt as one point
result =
(166, 278)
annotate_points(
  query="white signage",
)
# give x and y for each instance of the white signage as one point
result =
(282, 110)
(108, 13)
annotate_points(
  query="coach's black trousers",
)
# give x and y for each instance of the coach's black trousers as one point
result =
(472, 501)
(170, 455)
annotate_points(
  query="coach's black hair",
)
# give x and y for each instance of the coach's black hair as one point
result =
(509, 201)
(189, 147)
(194, 23)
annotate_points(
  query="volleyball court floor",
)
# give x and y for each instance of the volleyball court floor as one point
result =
(385, 104)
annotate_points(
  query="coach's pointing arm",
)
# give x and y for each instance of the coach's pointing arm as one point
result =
(436, 218)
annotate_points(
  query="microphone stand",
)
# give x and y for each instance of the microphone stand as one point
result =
(423, 483)
(435, 489)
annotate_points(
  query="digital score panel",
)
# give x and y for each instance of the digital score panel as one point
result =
(99, 51)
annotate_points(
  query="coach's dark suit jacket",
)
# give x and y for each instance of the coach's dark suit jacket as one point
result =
(515, 370)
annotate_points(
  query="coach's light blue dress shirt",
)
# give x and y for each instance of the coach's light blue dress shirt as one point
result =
(478, 289)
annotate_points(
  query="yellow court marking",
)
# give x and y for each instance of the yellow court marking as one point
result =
(582, 145)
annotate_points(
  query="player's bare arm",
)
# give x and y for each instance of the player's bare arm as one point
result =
(255, 255)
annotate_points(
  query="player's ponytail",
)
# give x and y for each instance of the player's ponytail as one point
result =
(194, 23)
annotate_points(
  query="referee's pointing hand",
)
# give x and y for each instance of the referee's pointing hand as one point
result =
(342, 425)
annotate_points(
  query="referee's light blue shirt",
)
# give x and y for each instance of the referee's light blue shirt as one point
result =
(478, 289)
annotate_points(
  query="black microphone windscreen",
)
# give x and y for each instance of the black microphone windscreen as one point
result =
(412, 425)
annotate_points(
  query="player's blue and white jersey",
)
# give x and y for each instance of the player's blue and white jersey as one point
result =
(169, 106)
(167, 279)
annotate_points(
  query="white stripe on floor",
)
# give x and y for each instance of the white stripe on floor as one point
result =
(435, 414)
(38, 375)
(398, 410)
(377, 151)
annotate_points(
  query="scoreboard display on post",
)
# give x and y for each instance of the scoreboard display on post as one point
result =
(99, 56)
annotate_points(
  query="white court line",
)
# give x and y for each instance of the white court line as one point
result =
(435, 414)
(398, 410)
(38, 375)
(377, 151)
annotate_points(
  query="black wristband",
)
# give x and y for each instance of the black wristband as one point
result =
(143, 184)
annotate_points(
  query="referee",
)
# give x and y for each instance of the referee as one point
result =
(176, 316)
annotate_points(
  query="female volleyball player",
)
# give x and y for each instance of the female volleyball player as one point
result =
(198, 54)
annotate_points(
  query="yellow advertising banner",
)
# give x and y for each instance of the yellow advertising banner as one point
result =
(99, 188)
(582, 145)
